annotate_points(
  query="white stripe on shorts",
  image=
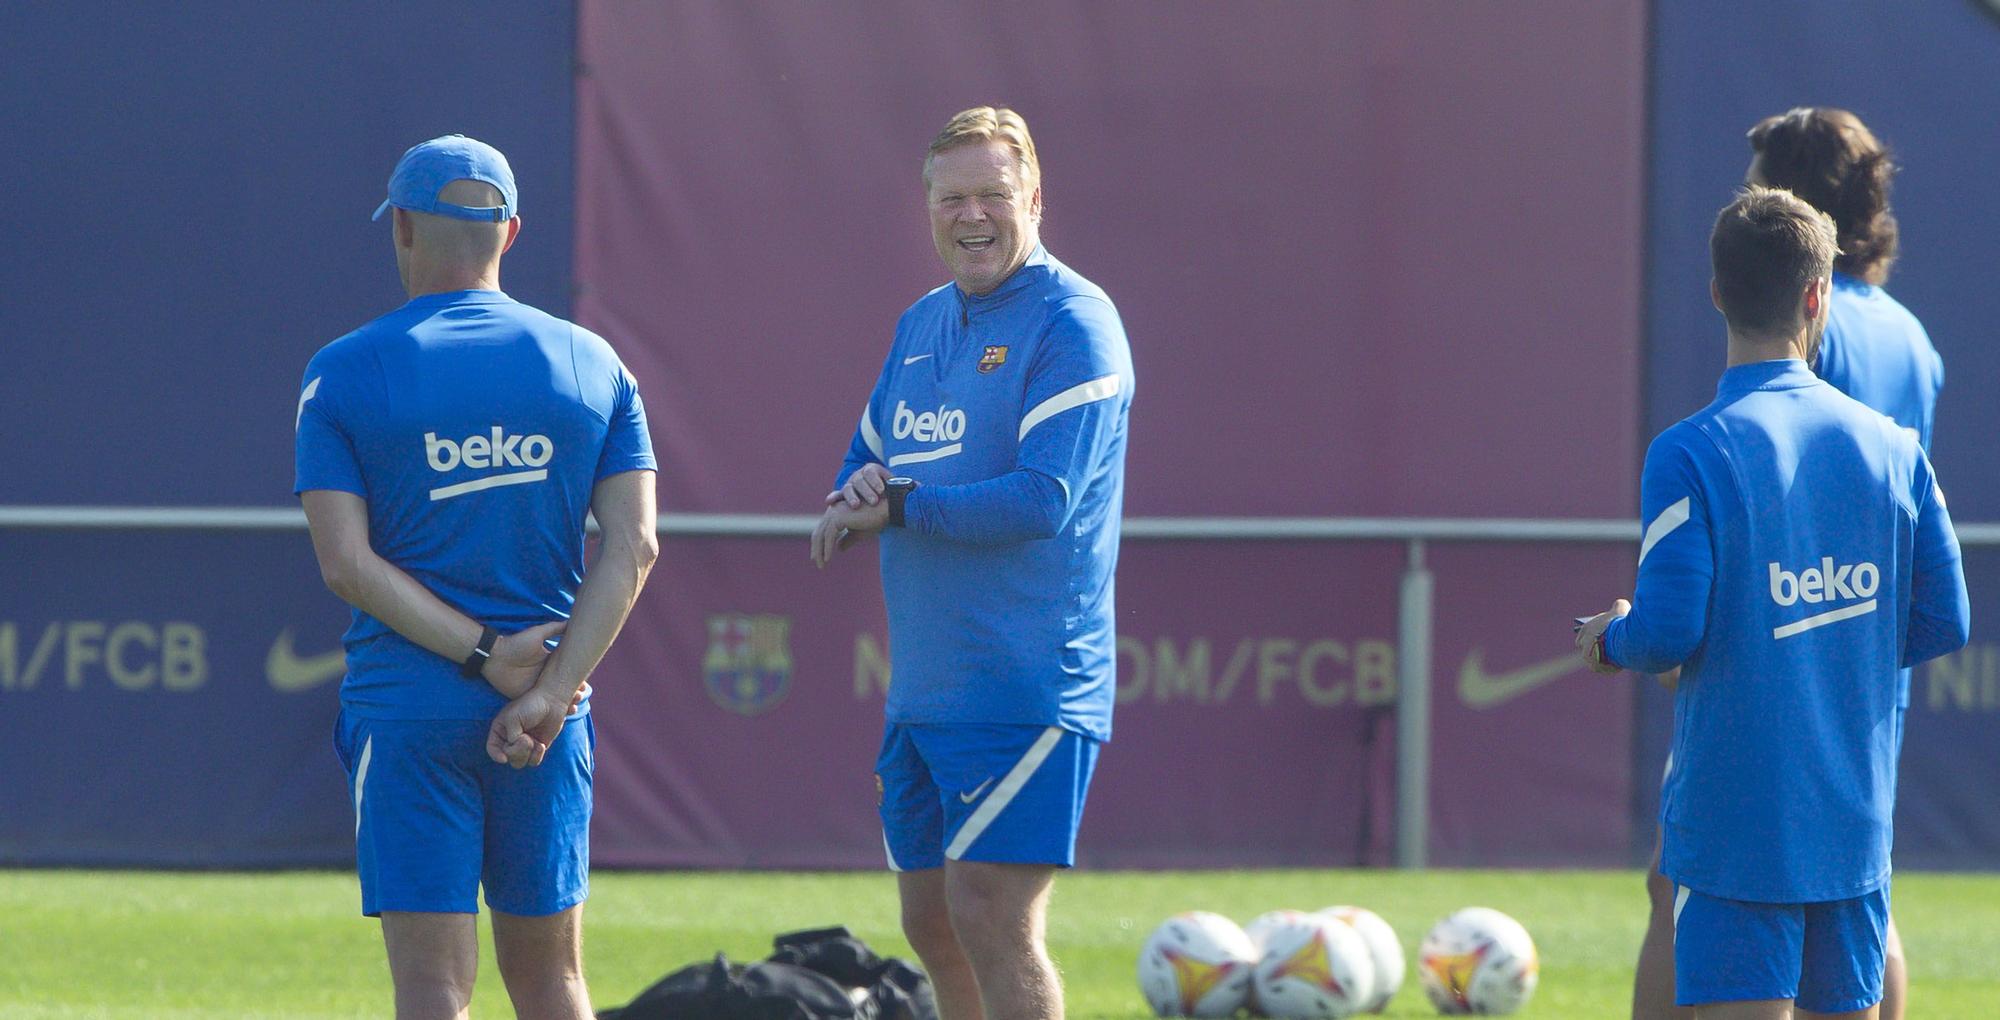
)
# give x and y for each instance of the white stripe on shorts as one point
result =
(361, 780)
(1680, 904)
(1004, 793)
(891, 854)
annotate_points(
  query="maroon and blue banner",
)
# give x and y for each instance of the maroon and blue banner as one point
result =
(177, 694)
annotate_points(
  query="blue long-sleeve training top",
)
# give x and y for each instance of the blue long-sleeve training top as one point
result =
(1875, 351)
(1796, 553)
(1009, 409)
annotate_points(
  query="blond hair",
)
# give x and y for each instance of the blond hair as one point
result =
(983, 124)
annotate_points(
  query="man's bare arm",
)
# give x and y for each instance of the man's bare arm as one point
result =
(623, 505)
(349, 565)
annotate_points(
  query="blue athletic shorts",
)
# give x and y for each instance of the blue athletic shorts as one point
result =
(1825, 956)
(435, 818)
(996, 792)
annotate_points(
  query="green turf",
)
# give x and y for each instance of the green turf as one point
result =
(183, 946)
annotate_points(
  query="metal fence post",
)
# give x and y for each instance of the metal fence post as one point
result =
(1413, 712)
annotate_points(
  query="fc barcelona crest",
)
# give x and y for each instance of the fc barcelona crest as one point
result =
(994, 357)
(748, 666)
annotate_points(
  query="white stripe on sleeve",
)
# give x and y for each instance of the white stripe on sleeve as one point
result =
(1663, 525)
(305, 395)
(1076, 396)
(869, 436)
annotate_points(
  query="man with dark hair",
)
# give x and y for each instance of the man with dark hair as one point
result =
(1001, 411)
(1873, 350)
(1797, 552)
(447, 455)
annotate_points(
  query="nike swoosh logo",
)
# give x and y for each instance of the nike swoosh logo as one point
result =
(291, 674)
(967, 798)
(1481, 689)
(914, 358)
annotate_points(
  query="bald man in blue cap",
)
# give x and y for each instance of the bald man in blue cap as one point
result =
(448, 454)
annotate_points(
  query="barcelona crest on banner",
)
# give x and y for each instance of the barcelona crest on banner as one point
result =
(748, 666)
(994, 356)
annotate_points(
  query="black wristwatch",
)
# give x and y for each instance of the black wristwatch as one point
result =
(475, 664)
(898, 490)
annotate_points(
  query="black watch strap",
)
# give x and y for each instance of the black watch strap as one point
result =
(475, 664)
(898, 490)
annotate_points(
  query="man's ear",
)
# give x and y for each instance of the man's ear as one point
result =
(406, 228)
(513, 232)
(1714, 294)
(1815, 299)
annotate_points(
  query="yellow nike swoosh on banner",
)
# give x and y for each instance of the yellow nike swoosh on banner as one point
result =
(291, 674)
(1481, 689)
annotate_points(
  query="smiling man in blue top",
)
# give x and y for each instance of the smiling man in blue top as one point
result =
(1797, 553)
(448, 454)
(991, 458)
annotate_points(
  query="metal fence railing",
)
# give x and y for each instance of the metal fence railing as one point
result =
(1416, 605)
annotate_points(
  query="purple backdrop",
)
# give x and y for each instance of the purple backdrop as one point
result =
(1351, 243)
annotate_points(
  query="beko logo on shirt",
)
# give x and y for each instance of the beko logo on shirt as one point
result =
(501, 450)
(944, 425)
(1824, 583)
(941, 425)
(496, 449)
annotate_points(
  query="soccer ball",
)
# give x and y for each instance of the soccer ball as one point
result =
(1313, 967)
(1197, 964)
(1260, 927)
(1478, 961)
(1383, 947)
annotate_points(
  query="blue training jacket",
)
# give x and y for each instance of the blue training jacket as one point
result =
(1797, 552)
(1009, 409)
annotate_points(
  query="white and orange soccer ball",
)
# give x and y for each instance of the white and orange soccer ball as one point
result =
(1313, 966)
(1479, 961)
(1260, 927)
(1197, 964)
(1384, 949)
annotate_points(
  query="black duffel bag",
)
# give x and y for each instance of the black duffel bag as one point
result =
(897, 990)
(824, 974)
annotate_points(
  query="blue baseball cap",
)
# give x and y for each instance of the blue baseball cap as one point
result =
(429, 166)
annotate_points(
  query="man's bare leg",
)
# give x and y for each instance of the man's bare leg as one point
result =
(541, 961)
(1871, 1013)
(1758, 1009)
(927, 924)
(433, 959)
(1000, 914)
(1653, 982)
(1895, 975)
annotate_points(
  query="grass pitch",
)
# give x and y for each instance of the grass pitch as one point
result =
(169, 946)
